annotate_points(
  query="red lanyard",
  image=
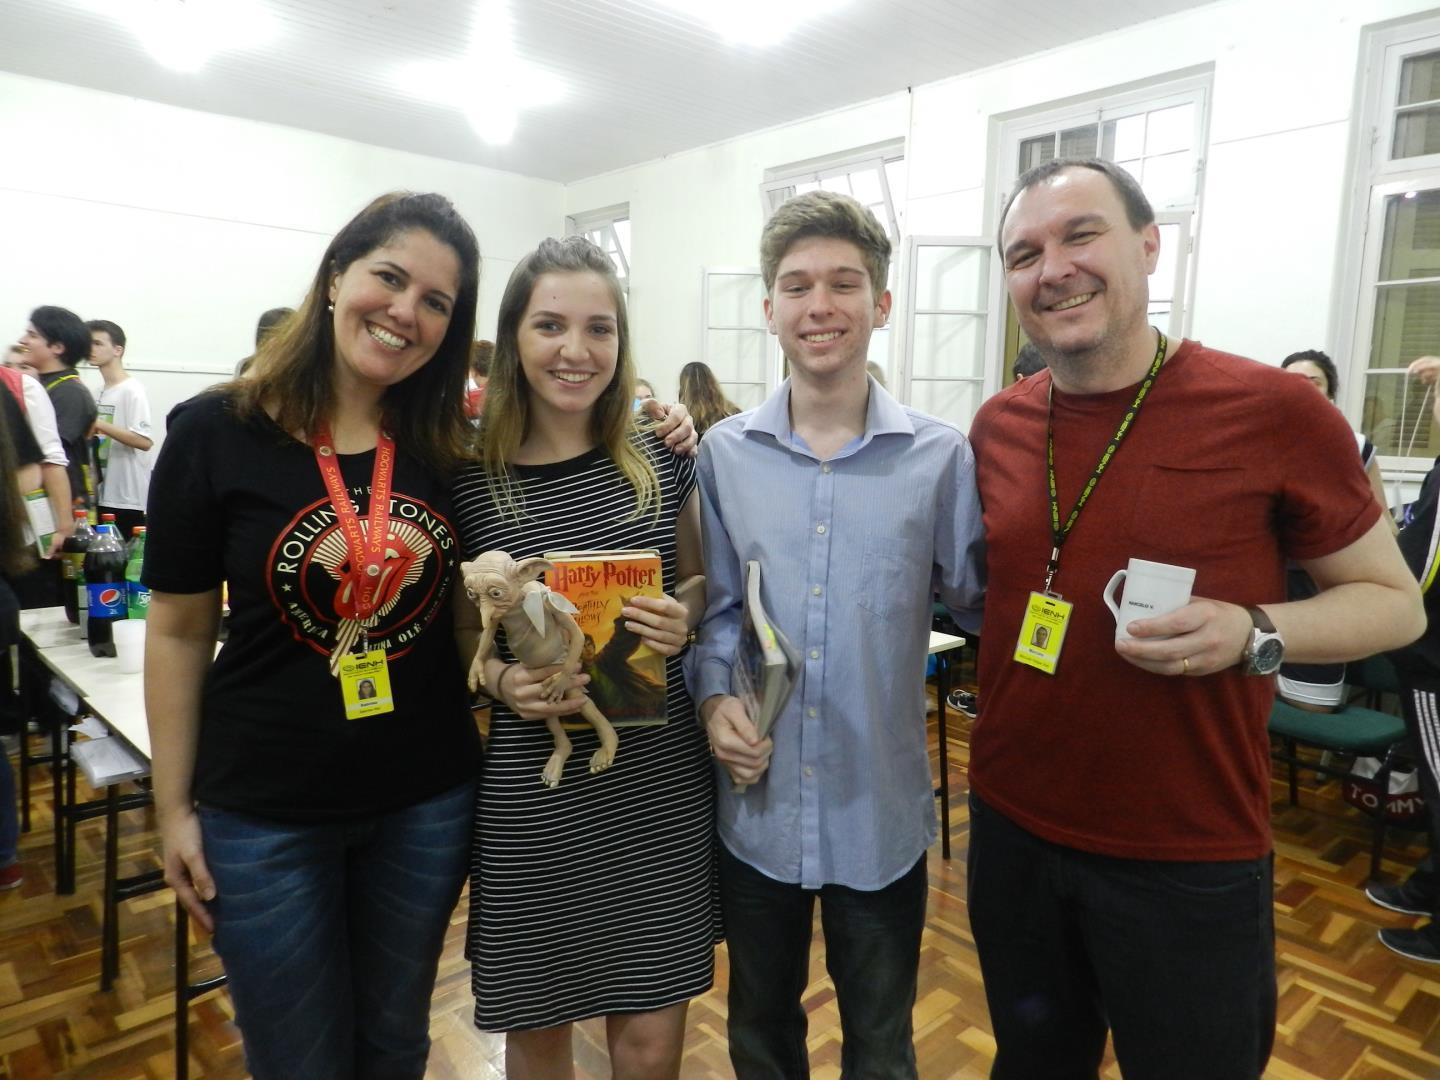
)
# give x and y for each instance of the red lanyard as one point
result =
(367, 552)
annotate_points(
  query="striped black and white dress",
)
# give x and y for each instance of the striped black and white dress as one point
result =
(598, 896)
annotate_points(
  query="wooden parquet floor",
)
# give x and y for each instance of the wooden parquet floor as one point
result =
(1348, 1007)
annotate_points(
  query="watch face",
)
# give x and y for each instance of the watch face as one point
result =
(1268, 655)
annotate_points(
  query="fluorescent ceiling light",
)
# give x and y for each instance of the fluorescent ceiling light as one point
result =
(759, 23)
(184, 34)
(489, 84)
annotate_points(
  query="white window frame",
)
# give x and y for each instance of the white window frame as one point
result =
(779, 183)
(774, 365)
(1374, 176)
(603, 221)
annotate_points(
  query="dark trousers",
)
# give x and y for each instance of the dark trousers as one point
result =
(872, 952)
(1420, 704)
(1177, 959)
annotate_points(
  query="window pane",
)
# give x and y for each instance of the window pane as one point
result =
(737, 355)
(839, 184)
(1169, 180)
(1420, 79)
(879, 350)
(1411, 244)
(949, 346)
(802, 186)
(1035, 152)
(1079, 142)
(1407, 324)
(865, 186)
(1168, 130)
(622, 235)
(1162, 280)
(746, 395)
(1398, 416)
(953, 401)
(1417, 133)
(1124, 138)
(737, 300)
(951, 279)
(895, 177)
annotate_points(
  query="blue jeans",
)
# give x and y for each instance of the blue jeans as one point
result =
(1177, 959)
(331, 934)
(872, 952)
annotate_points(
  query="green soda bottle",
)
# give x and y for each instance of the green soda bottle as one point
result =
(137, 596)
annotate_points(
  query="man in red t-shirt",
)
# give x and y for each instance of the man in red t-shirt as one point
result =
(1120, 850)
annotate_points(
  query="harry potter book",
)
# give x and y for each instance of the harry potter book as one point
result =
(767, 664)
(627, 677)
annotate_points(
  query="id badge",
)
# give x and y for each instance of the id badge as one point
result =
(1042, 632)
(365, 684)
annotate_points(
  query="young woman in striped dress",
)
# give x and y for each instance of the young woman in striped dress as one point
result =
(596, 897)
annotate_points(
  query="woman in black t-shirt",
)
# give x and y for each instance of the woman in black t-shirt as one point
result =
(315, 783)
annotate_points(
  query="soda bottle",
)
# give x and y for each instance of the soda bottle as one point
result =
(72, 555)
(137, 596)
(105, 584)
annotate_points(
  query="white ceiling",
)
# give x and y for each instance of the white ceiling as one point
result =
(643, 81)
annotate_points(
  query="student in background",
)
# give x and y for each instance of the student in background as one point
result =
(122, 424)
(54, 478)
(481, 352)
(267, 322)
(700, 393)
(55, 341)
(860, 510)
(623, 858)
(1028, 361)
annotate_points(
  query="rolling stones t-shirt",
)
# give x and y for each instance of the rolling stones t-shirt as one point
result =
(242, 502)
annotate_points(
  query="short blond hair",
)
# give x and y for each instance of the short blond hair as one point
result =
(828, 214)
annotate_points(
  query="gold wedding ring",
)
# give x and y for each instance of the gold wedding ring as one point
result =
(1184, 665)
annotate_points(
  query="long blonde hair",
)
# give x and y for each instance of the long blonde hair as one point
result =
(506, 420)
(700, 393)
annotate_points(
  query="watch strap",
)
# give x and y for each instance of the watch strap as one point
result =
(1260, 619)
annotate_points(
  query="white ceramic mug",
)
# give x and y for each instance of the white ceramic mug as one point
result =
(1151, 589)
(129, 637)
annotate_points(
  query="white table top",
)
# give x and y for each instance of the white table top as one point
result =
(117, 697)
(944, 642)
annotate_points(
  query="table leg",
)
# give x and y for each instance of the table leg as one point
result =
(109, 925)
(942, 691)
(182, 992)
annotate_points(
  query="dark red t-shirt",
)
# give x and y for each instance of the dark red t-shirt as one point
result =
(1231, 467)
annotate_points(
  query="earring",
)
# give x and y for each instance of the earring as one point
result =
(330, 307)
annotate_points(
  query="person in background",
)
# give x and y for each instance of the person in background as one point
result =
(55, 341)
(700, 393)
(860, 511)
(33, 587)
(1121, 858)
(267, 322)
(643, 393)
(627, 853)
(481, 353)
(1319, 370)
(1418, 667)
(1028, 361)
(323, 837)
(20, 459)
(122, 424)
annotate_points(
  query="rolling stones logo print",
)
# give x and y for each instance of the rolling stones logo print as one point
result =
(313, 585)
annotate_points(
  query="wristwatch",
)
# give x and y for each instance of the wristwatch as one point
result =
(1266, 648)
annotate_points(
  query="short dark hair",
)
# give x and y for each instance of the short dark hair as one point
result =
(481, 353)
(1323, 362)
(269, 320)
(105, 326)
(58, 324)
(1028, 361)
(1138, 210)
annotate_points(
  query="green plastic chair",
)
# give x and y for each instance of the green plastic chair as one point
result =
(1354, 730)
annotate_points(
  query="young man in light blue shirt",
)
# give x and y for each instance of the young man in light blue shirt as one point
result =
(860, 510)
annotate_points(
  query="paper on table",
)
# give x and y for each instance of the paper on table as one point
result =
(90, 727)
(107, 761)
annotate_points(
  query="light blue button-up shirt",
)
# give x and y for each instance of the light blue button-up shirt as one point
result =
(852, 551)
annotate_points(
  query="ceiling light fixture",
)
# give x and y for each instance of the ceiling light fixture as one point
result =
(184, 34)
(489, 85)
(758, 23)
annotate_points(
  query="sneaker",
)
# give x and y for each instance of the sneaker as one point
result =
(1418, 945)
(1406, 898)
(962, 700)
(11, 877)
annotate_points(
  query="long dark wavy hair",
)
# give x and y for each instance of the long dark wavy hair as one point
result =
(700, 393)
(292, 375)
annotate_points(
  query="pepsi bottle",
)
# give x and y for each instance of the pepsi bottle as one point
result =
(72, 556)
(105, 586)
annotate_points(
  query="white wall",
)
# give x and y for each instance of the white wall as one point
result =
(1284, 91)
(183, 226)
